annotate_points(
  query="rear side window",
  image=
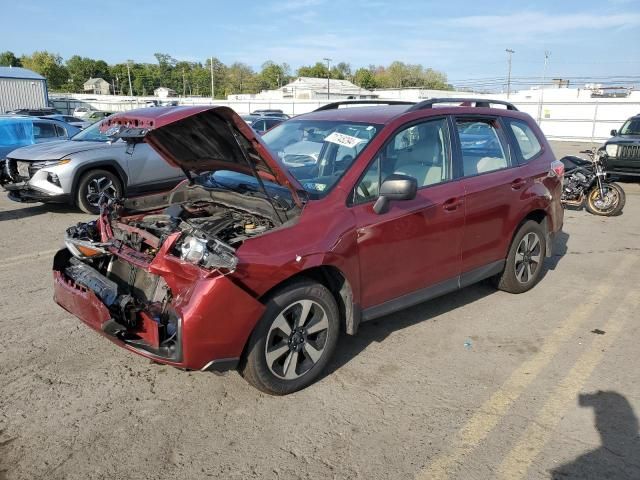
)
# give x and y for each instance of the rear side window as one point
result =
(482, 149)
(44, 130)
(527, 140)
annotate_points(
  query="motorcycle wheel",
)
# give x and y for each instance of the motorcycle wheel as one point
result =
(611, 205)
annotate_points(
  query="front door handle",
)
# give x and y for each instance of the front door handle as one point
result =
(452, 204)
(518, 183)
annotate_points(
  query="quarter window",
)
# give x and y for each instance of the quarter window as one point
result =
(420, 151)
(527, 140)
(482, 150)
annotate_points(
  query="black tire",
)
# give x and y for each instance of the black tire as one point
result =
(267, 338)
(86, 196)
(615, 208)
(513, 279)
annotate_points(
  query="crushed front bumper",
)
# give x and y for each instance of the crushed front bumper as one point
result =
(215, 319)
(22, 192)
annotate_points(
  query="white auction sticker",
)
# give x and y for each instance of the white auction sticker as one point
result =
(344, 140)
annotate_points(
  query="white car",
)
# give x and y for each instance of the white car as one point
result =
(82, 112)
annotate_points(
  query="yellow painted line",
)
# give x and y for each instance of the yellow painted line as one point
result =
(480, 425)
(28, 257)
(539, 430)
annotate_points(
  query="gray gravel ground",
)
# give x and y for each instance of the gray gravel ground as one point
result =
(478, 384)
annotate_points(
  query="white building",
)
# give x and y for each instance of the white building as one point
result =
(309, 88)
(164, 92)
(97, 86)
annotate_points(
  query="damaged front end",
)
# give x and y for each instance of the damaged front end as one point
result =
(148, 278)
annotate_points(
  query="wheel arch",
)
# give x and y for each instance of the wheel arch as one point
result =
(337, 283)
(541, 217)
(111, 166)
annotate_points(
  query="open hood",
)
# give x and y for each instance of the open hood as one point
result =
(203, 139)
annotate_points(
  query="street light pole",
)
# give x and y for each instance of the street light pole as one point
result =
(510, 52)
(328, 60)
(129, 75)
(547, 54)
(212, 91)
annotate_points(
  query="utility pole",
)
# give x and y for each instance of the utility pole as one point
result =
(184, 86)
(510, 52)
(212, 91)
(547, 54)
(328, 60)
(129, 75)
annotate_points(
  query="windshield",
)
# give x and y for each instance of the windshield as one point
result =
(319, 152)
(631, 127)
(91, 134)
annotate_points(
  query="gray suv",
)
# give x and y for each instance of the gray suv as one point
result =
(78, 171)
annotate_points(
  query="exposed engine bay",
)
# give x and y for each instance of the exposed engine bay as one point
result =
(111, 257)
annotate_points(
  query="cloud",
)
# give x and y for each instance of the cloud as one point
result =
(532, 23)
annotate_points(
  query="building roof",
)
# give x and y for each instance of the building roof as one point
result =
(18, 72)
(94, 81)
(320, 84)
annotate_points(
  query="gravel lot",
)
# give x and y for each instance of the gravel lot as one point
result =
(477, 384)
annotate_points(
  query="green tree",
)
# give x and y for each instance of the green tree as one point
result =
(8, 59)
(364, 78)
(342, 71)
(50, 66)
(272, 76)
(82, 69)
(319, 70)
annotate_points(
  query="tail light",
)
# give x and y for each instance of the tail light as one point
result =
(557, 169)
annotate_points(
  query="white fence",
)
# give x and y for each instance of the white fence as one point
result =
(579, 120)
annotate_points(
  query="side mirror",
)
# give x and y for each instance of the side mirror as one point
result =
(614, 133)
(395, 187)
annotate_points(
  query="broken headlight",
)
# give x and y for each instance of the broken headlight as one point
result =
(207, 253)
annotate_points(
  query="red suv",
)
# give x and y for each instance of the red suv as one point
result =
(275, 244)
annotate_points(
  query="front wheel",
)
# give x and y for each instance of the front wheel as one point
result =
(294, 339)
(93, 185)
(612, 203)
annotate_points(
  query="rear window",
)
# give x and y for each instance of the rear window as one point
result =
(15, 132)
(527, 140)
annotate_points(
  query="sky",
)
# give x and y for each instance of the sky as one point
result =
(464, 39)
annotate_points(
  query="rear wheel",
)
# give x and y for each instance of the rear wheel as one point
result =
(93, 185)
(523, 266)
(294, 340)
(612, 203)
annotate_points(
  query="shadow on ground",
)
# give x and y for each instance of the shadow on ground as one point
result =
(35, 210)
(619, 455)
(378, 330)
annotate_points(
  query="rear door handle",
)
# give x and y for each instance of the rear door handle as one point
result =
(518, 183)
(452, 204)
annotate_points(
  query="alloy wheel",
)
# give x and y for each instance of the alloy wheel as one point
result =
(296, 339)
(528, 257)
(98, 186)
(606, 204)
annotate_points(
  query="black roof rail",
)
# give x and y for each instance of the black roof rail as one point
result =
(335, 105)
(479, 102)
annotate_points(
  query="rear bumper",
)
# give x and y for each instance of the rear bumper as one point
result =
(216, 318)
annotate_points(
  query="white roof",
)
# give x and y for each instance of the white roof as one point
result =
(320, 84)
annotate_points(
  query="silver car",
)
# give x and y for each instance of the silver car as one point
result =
(78, 171)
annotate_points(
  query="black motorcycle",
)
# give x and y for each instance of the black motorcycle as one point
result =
(586, 185)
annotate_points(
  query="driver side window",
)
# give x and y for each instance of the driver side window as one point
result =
(420, 151)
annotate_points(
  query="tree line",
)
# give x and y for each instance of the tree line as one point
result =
(194, 78)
